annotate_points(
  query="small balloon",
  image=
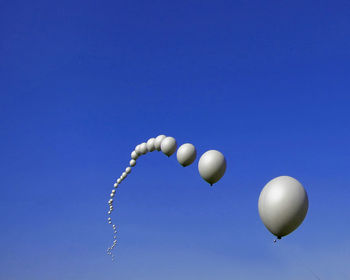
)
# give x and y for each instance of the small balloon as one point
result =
(143, 148)
(283, 205)
(158, 141)
(124, 175)
(168, 146)
(134, 155)
(212, 166)
(137, 150)
(186, 154)
(150, 144)
(119, 180)
(116, 185)
(128, 170)
(132, 163)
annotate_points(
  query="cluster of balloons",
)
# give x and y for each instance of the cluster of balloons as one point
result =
(211, 166)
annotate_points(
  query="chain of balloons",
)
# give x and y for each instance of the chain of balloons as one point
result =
(283, 202)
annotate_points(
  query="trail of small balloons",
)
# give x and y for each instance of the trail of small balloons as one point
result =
(211, 167)
(283, 202)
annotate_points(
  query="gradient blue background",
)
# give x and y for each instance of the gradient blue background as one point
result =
(83, 82)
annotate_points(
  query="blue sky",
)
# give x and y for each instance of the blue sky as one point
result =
(82, 83)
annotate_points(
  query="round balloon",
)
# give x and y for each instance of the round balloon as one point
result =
(134, 155)
(143, 148)
(128, 170)
(150, 144)
(212, 166)
(158, 141)
(168, 146)
(132, 163)
(186, 154)
(283, 204)
(137, 150)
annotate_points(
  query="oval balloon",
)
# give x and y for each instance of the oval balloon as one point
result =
(283, 204)
(137, 150)
(168, 146)
(158, 141)
(186, 154)
(132, 163)
(134, 155)
(128, 170)
(212, 166)
(150, 144)
(143, 148)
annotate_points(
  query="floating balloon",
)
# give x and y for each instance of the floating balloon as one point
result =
(143, 148)
(283, 205)
(116, 185)
(132, 163)
(212, 166)
(134, 155)
(158, 141)
(150, 144)
(168, 146)
(119, 180)
(186, 154)
(124, 175)
(137, 150)
(128, 170)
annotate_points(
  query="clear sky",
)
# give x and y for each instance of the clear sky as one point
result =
(83, 82)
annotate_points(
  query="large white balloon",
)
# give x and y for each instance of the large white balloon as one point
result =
(283, 204)
(143, 148)
(158, 141)
(132, 163)
(212, 166)
(128, 170)
(168, 146)
(186, 154)
(150, 144)
(134, 155)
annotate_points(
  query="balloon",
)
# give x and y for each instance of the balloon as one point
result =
(186, 154)
(168, 146)
(119, 180)
(113, 191)
(109, 219)
(116, 185)
(283, 204)
(212, 166)
(137, 150)
(134, 155)
(112, 194)
(132, 163)
(150, 144)
(143, 148)
(128, 170)
(158, 141)
(124, 175)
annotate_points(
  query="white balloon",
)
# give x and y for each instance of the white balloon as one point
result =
(116, 185)
(119, 180)
(283, 205)
(112, 194)
(124, 175)
(113, 191)
(212, 166)
(128, 170)
(158, 141)
(132, 162)
(186, 154)
(143, 148)
(137, 150)
(109, 219)
(134, 155)
(168, 146)
(150, 144)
